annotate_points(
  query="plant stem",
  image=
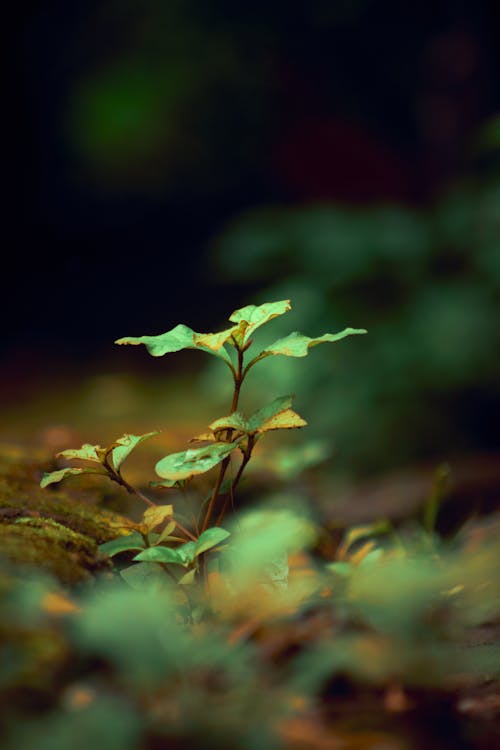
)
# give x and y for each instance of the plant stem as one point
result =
(246, 458)
(116, 477)
(238, 380)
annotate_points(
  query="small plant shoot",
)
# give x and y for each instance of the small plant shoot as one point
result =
(161, 538)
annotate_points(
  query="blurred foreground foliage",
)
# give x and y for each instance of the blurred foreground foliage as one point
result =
(122, 667)
(426, 283)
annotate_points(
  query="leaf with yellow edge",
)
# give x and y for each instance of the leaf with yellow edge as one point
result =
(56, 476)
(274, 416)
(235, 421)
(182, 337)
(156, 515)
(285, 420)
(251, 317)
(203, 438)
(86, 453)
(298, 345)
(125, 445)
(193, 461)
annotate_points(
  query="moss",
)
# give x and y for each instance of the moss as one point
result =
(56, 530)
(48, 545)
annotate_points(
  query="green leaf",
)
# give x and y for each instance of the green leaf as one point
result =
(160, 555)
(165, 534)
(186, 552)
(86, 453)
(56, 476)
(234, 421)
(133, 541)
(298, 345)
(275, 416)
(251, 317)
(342, 569)
(125, 445)
(156, 515)
(210, 538)
(182, 337)
(143, 577)
(193, 461)
(188, 578)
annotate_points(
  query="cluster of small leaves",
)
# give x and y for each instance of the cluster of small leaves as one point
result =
(149, 545)
(105, 461)
(226, 434)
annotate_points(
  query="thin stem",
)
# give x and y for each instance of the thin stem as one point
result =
(185, 495)
(116, 477)
(184, 530)
(213, 498)
(238, 380)
(246, 458)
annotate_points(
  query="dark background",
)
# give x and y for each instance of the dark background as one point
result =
(118, 198)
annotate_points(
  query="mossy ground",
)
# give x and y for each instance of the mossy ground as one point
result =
(53, 530)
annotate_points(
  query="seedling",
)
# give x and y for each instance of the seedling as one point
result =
(161, 537)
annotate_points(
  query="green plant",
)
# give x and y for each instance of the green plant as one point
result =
(161, 537)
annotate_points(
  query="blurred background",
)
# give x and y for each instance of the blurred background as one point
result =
(176, 160)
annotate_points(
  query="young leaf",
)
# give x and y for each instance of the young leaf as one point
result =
(204, 437)
(275, 416)
(182, 337)
(188, 578)
(235, 421)
(156, 515)
(165, 534)
(251, 317)
(285, 420)
(298, 345)
(132, 541)
(186, 552)
(160, 555)
(269, 411)
(210, 538)
(86, 453)
(56, 476)
(193, 461)
(125, 445)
